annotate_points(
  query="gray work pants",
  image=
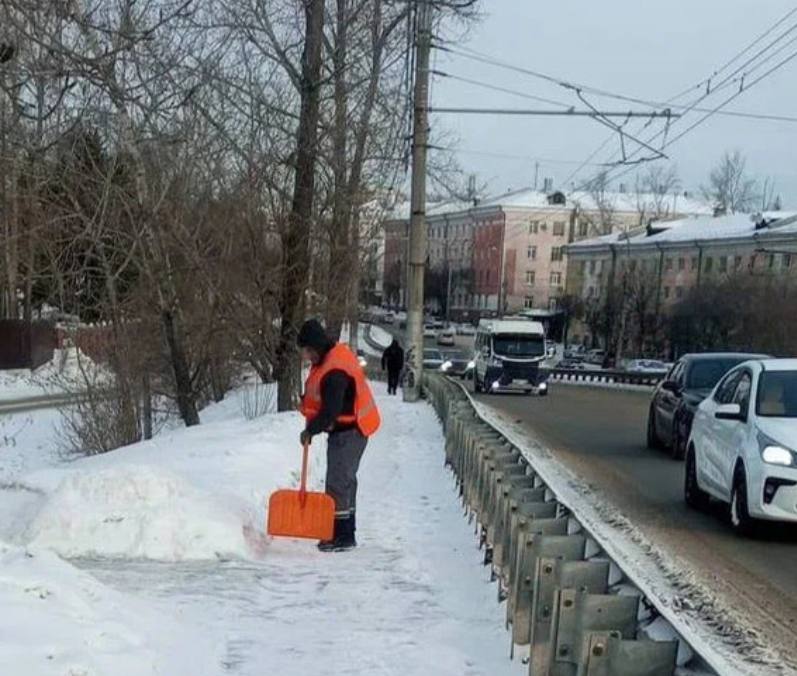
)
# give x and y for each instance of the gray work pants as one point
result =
(344, 451)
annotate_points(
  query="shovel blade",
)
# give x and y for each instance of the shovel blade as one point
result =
(296, 514)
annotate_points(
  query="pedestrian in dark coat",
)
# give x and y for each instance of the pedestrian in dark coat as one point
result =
(393, 361)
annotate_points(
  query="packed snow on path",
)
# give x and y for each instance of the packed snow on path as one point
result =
(177, 523)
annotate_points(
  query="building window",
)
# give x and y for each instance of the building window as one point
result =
(559, 228)
(556, 253)
(534, 227)
(752, 261)
(531, 253)
(737, 262)
(552, 303)
(679, 292)
(582, 266)
(590, 292)
(771, 261)
(723, 263)
(530, 277)
(528, 302)
(556, 278)
(786, 260)
(666, 291)
(632, 265)
(709, 264)
(582, 228)
(693, 263)
(668, 263)
(599, 266)
(681, 264)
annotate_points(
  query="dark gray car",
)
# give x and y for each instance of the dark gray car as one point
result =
(677, 396)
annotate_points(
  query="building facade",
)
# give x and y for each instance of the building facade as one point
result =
(509, 253)
(656, 266)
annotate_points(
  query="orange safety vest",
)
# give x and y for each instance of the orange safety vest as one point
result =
(341, 358)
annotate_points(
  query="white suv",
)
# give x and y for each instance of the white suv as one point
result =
(743, 445)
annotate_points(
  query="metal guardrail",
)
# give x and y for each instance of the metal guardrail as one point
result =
(598, 377)
(565, 597)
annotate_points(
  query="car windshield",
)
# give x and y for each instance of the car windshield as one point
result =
(455, 356)
(518, 345)
(777, 394)
(705, 373)
(432, 355)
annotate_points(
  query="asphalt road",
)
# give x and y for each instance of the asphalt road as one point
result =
(600, 435)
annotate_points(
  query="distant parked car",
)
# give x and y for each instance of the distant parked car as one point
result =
(595, 356)
(743, 447)
(389, 318)
(572, 364)
(432, 358)
(575, 352)
(438, 323)
(678, 395)
(429, 331)
(456, 363)
(446, 337)
(466, 330)
(652, 366)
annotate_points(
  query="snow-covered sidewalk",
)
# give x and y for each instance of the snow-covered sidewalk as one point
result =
(411, 599)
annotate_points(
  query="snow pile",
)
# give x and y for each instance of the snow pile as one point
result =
(190, 494)
(136, 512)
(59, 620)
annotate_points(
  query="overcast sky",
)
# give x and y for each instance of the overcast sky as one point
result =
(645, 49)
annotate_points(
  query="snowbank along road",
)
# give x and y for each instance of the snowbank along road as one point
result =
(599, 434)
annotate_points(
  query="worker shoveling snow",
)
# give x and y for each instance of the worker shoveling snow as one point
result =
(178, 523)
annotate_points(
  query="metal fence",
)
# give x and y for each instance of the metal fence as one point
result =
(565, 598)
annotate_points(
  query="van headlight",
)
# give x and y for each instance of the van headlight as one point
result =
(774, 453)
(471, 365)
(446, 366)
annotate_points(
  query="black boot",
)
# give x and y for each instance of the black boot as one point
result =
(344, 536)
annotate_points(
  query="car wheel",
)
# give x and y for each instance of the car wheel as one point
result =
(653, 437)
(678, 449)
(694, 496)
(739, 516)
(543, 393)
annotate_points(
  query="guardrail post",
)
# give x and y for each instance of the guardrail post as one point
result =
(610, 655)
(551, 575)
(577, 614)
(567, 547)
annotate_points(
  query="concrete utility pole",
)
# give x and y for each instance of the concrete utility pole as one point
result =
(417, 243)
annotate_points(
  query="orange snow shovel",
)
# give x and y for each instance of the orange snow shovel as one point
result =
(301, 514)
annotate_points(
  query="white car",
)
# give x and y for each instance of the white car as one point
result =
(743, 446)
(446, 337)
(429, 331)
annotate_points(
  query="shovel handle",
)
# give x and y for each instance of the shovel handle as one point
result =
(303, 482)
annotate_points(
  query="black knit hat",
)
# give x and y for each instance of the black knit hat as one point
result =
(312, 334)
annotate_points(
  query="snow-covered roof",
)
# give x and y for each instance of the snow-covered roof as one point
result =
(632, 202)
(700, 229)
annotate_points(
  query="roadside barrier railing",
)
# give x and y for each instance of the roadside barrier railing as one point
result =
(566, 599)
(598, 377)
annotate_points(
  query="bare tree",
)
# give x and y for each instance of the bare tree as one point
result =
(730, 189)
(655, 188)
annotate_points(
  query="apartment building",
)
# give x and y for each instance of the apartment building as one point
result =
(668, 259)
(509, 253)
